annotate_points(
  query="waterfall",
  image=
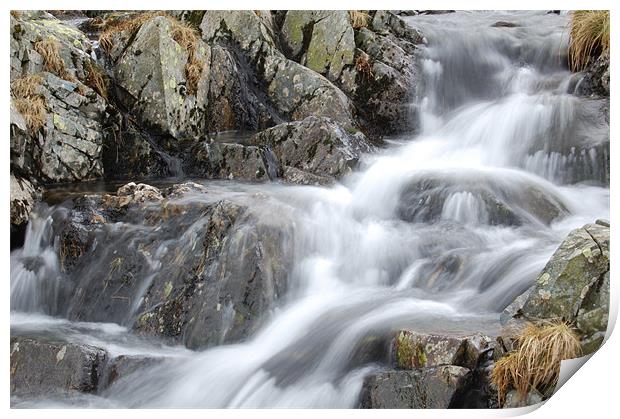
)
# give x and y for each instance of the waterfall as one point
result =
(439, 233)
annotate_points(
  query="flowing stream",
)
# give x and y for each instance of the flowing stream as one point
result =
(437, 233)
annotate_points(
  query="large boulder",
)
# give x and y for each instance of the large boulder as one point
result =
(293, 90)
(41, 367)
(573, 286)
(177, 263)
(429, 388)
(152, 73)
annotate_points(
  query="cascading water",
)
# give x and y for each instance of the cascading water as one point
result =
(438, 234)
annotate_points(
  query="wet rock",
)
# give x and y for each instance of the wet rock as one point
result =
(131, 153)
(321, 40)
(318, 146)
(177, 263)
(429, 388)
(41, 367)
(123, 366)
(300, 177)
(411, 350)
(385, 75)
(574, 286)
(231, 161)
(23, 197)
(596, 78)
(504, 24)
(495, 201)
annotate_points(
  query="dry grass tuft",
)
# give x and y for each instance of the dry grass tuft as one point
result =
(363, 65)
(16, 14)
(49, 48)
(589, 37)
(95, 79)
(184, 34)
(30, 104)
(359, 19)
(129, 24)
(536, 362)
(26, 86)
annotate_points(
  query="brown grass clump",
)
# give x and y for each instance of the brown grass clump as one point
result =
(536, 362)
(363, 65)
(359, 19)
(49, 48)
(16, 14)
(589, 37)
(28, 103)
(182, 33)
(95, 79)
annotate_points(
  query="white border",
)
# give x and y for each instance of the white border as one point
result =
(592, 393)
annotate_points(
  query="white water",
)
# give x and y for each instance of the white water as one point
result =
(413, 239)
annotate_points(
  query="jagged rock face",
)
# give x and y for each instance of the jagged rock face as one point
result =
(311, 151)
(429, 388)
(384, 87)
(23, 196)
(293, 90)
(54, 368)
(574, 286)
(318, 146)
(68, 146)
(31, 27)
(320, 40)
(176, 264)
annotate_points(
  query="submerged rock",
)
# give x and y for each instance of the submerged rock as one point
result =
(429, 388)
(40, 367)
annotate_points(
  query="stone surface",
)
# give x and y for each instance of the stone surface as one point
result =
(45, 367)
(23, 197)
(177, 264)
(412, 350)
(292, 90)
(318, 146)
(574, 286)
(429, 388)
(321, 40)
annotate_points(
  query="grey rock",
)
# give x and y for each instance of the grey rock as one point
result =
(429, 388)
(24, 195)
(41, 367)
(322, 40)
(318, 146)
(196, 270)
